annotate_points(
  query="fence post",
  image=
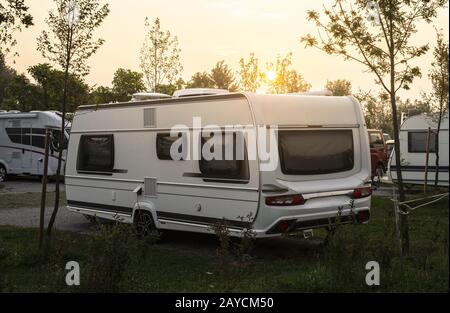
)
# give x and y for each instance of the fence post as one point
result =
(427, 157)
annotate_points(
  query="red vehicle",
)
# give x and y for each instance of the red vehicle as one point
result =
(378, 153)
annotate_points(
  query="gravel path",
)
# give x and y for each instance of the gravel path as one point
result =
(29, 217)
(26, 184)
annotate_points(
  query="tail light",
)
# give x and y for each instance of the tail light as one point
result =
(364, 192)
(363, 216)
(285, 200)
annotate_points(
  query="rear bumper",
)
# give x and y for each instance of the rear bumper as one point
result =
(360, 214)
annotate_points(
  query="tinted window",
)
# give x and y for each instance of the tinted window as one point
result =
(376, 140)
(38, 141)
(96, 153)
(309, 152)
(163, 144)
(14, 134)
(232, 164)
(417, 142)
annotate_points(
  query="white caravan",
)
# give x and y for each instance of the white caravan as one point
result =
(22, 139)
(413, 143)
(121, 165)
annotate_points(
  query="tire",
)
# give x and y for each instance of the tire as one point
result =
(376, 180)
(143, 223)
(3, 173)
(90, 218)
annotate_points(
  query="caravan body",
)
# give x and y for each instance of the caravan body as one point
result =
(120, 162)
(413, 138)
(22, 141)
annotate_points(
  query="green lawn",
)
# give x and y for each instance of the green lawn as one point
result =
(111, 260)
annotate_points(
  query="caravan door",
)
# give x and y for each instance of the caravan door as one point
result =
(27, 153)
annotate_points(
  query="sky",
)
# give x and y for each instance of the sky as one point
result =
(213, 30)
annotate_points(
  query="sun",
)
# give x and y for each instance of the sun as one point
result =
(271, 75)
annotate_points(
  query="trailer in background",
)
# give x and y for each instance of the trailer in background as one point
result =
(22, 140)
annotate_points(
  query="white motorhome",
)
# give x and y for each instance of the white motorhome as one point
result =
(413, 143)
(121, 164)
(22, 139)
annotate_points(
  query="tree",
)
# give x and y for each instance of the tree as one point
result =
(169, 89)
(250, 75)
(222, 77)
(20, 95)
(102, 94)
(6, 76)
(339, 87)
(200, 80)
(126, 83)
(439, 76)
(160, 56)
(286, 80)
(382, 46)
(13, 16)
(69, 43)
(50, 83)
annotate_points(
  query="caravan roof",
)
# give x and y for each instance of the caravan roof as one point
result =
(423, 121)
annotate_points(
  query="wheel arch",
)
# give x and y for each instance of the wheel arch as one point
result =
(147, 206)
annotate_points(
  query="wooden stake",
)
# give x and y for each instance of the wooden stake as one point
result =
(426, 160)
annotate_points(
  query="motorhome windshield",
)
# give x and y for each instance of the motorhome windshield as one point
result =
(311, 152)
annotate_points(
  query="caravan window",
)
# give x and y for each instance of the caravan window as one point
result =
(232, 166)
(417, 142)
(163, 144)
(96, 153)
(310, 152)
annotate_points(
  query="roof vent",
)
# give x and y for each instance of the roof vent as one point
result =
(324, 92)
(193, 92)
(142, 96)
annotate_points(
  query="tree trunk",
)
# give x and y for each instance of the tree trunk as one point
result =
(60, 152)
(403, 217)
(62, 134)
(436, 147)
(44, 188)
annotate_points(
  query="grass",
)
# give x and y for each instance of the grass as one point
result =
(278, 265)
(28, 200)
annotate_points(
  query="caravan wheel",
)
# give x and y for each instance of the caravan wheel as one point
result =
(3, 173)
(143, 223)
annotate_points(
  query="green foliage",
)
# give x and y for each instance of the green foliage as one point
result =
(339, 87)
(6, 76)
(20, 95)
(200, 80)
(287, 80)
(439, 76)
(250, 74)
(110, 253)
(378, 46)
(125, 83)
(222, 77)
(160, 56)
(13, 16)
(50, 83)
(169, 89)
(102, 95)
(377, 109)
(70, 42)
(188, 262)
